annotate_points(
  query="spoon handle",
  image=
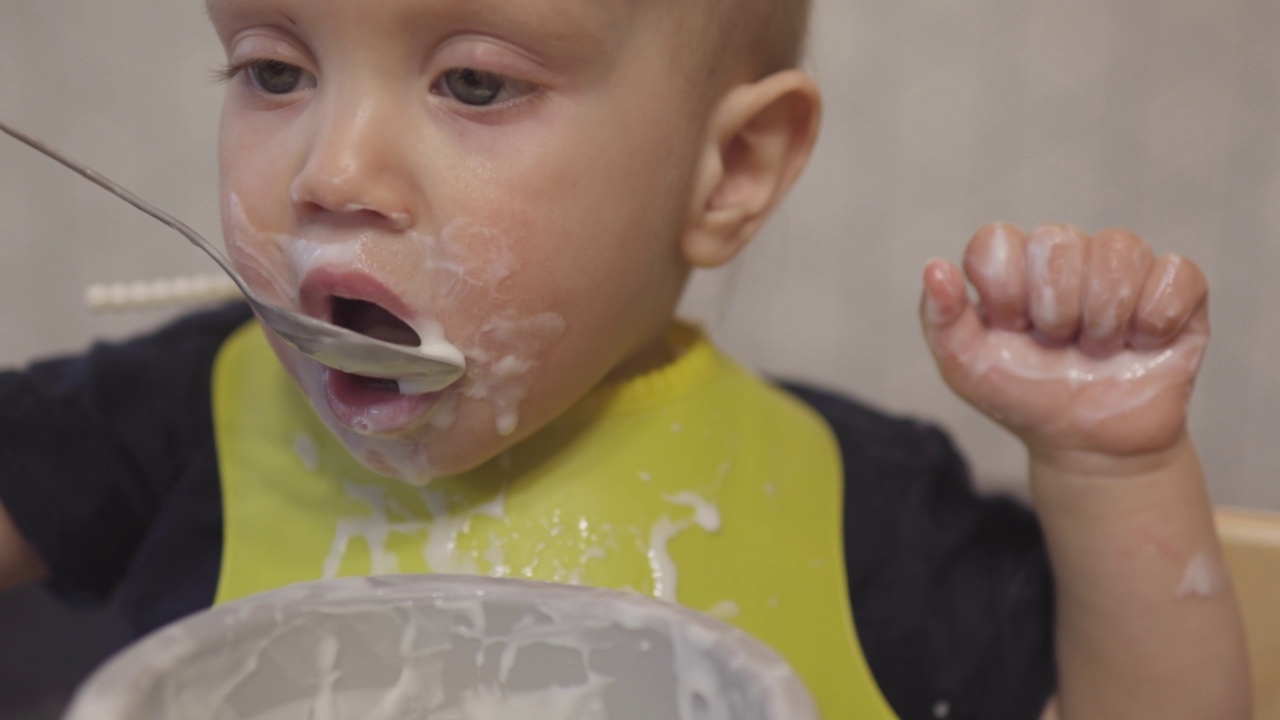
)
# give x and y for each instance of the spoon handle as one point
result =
(146, 207)
(327, 343)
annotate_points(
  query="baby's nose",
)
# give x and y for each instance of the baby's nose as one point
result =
(356, 170)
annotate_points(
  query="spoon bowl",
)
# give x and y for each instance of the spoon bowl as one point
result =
(416, 370)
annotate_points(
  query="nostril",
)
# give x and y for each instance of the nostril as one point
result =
(353, 215)
(374, 321)
(358, 215)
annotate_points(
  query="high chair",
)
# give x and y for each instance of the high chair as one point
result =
(1251, 541)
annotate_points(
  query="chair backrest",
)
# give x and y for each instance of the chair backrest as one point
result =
(1251, 541)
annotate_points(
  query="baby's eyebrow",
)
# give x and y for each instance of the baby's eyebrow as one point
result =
(582, 31)
(563, 30)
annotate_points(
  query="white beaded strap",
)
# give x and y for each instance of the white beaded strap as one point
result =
(144, 295)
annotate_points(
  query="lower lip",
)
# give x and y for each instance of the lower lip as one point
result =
(372, 409)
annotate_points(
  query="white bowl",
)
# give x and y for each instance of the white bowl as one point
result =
(437, 647)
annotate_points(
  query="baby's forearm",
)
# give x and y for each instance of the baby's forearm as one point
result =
(1147, 621)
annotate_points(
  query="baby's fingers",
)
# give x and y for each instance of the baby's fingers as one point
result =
(951, 324)
(1056, 258)
(995, 261)
(1175, 292)
(1118, 265)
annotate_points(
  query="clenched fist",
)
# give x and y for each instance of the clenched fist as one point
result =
(1075, 343)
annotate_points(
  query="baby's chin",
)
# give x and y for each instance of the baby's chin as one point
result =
(428, 454)
(402, 459)
(456, 436)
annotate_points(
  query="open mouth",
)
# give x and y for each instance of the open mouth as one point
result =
(372, 405)
(373, 320)
(359, 302)
(377, 322)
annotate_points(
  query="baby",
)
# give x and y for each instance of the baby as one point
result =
(530, 183)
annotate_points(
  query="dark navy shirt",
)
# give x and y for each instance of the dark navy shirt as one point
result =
(109, 469)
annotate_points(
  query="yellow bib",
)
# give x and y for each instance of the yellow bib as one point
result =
(698, 483)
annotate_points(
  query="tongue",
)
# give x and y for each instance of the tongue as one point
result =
(374, 321)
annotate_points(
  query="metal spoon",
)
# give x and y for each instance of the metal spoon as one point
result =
(334, 346)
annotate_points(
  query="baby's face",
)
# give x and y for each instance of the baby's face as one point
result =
(512, 174)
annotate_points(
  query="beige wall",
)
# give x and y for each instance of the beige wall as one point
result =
(1161, 115)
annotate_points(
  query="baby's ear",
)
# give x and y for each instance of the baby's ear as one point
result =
(759, 139)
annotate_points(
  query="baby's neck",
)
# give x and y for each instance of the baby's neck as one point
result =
(655, 355)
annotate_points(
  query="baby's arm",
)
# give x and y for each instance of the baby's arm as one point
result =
(19, 561)
(1087, 350)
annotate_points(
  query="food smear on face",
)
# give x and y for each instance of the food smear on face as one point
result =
(503, 352)
(260, 257)
(449, 288)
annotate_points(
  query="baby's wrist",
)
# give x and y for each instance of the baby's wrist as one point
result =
(1087, 464)
(1089, 491)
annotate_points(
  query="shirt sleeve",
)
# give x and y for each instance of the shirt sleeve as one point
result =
(952, 592)
(92, 445)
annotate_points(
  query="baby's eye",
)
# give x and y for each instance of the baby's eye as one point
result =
(473, 87)
(279, 78)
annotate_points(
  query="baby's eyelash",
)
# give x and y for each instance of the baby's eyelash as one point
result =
(226, 73)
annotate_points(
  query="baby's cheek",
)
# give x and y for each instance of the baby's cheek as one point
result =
(259, 256)
(503, 357)
(478, 280)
